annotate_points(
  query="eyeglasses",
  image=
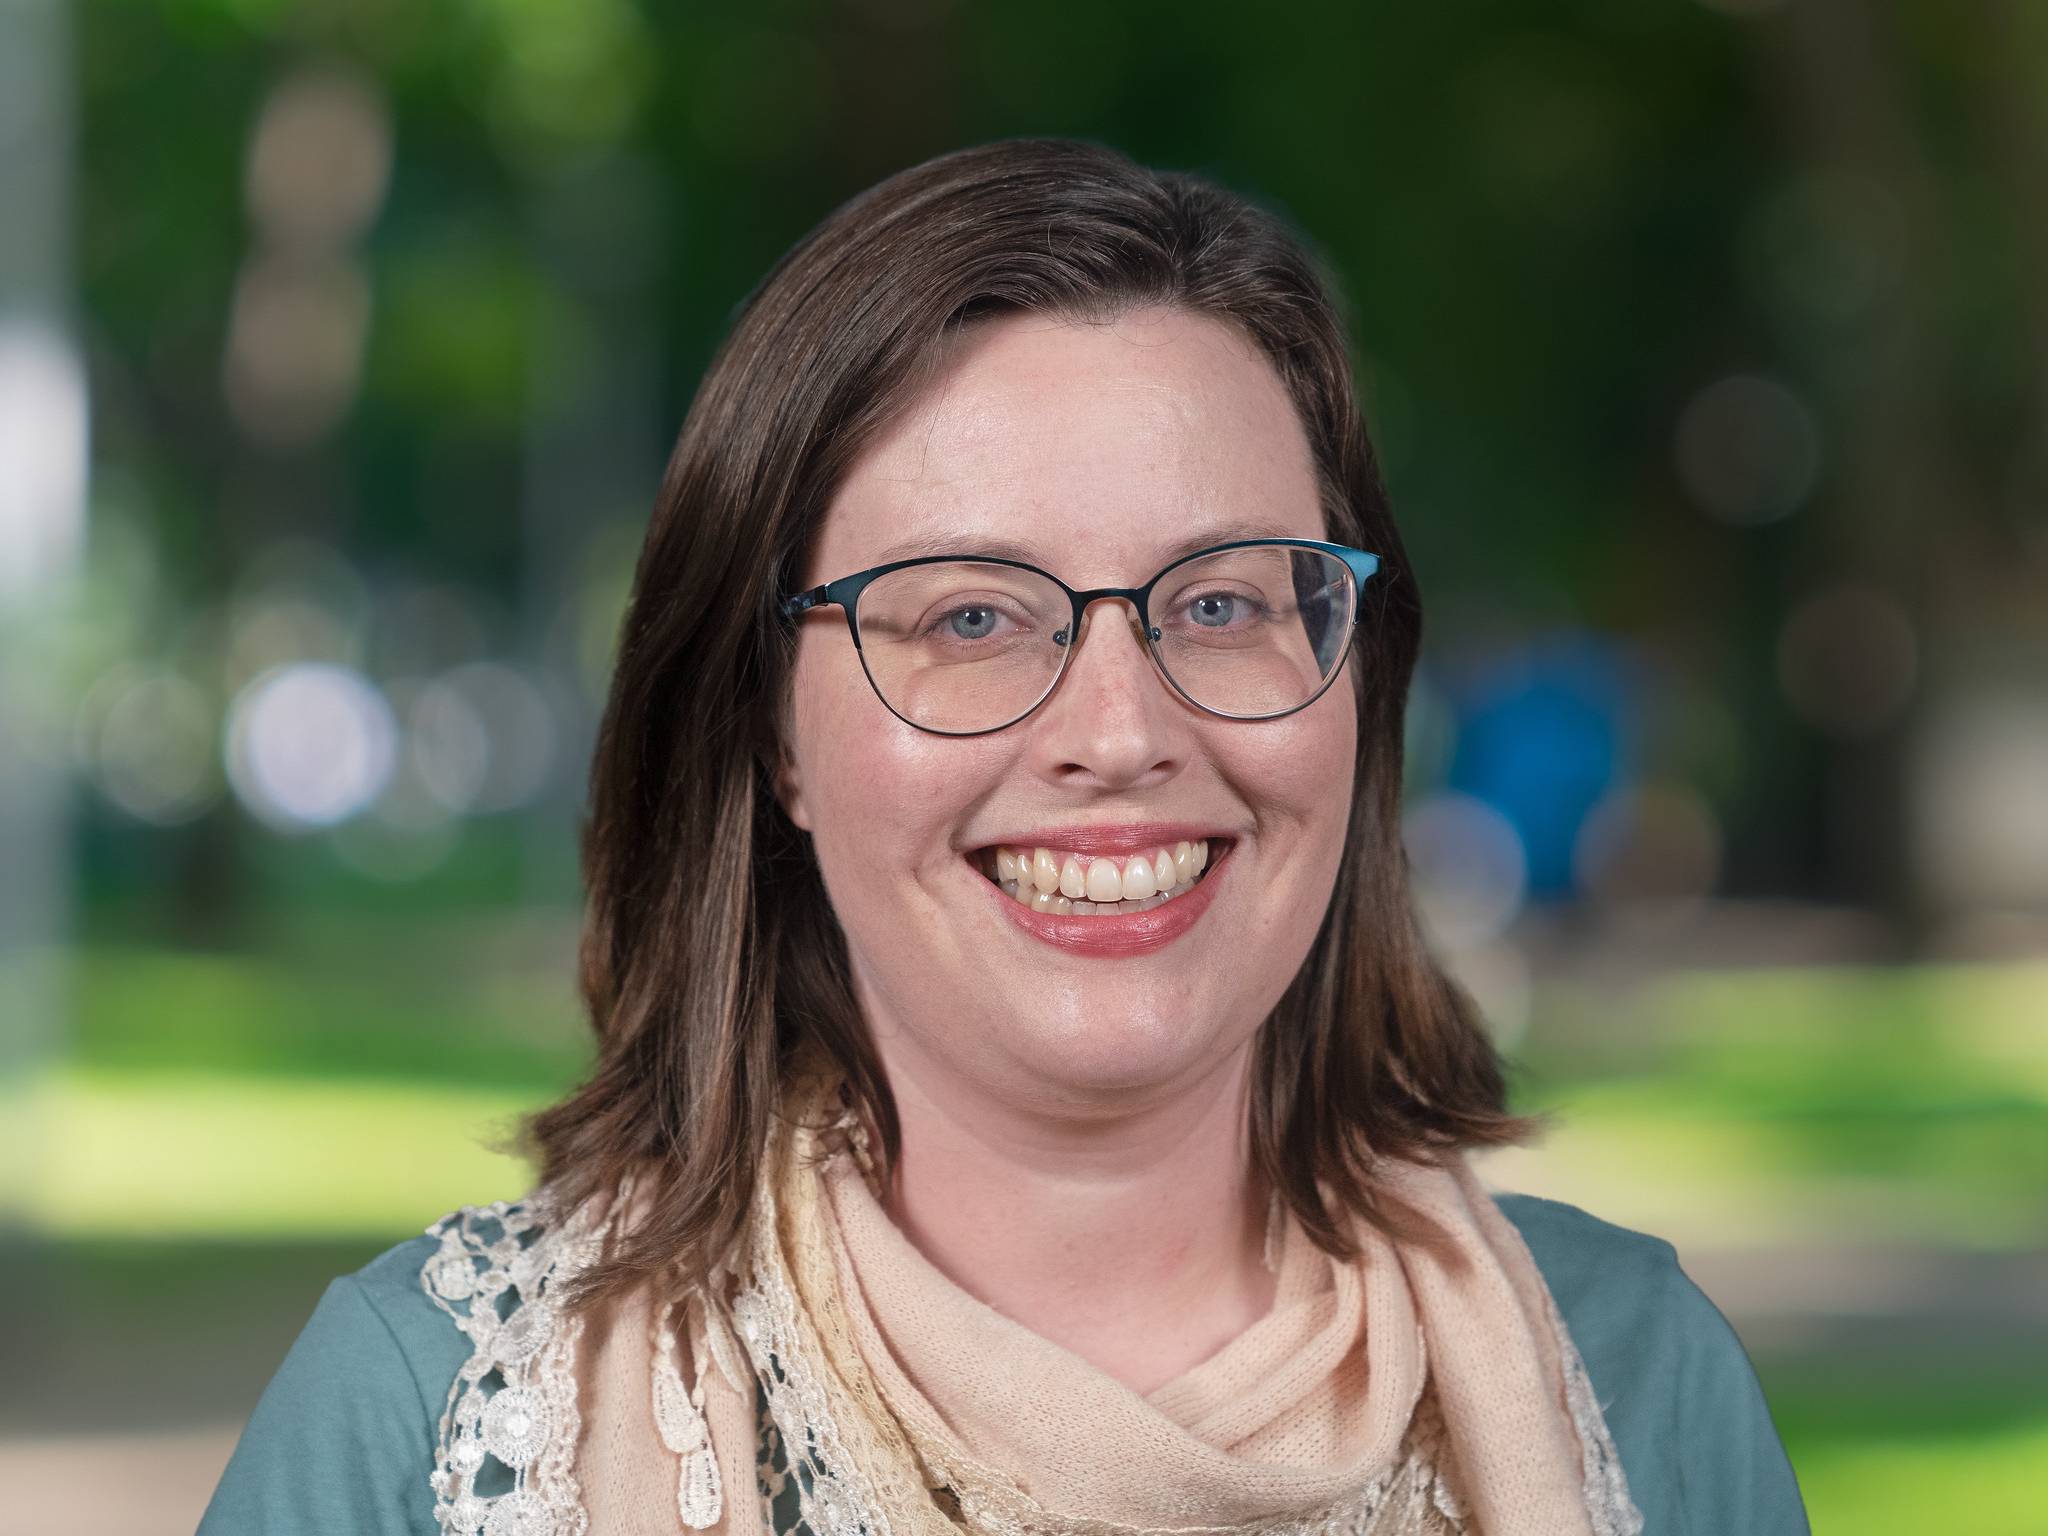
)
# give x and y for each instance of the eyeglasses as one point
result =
(1249, 630)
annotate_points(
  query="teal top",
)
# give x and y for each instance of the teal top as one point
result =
(343, 1438)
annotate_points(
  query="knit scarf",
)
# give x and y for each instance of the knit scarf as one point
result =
(1426, 1387)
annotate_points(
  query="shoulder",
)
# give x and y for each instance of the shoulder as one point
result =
(346, 1435)
(1681, 1398)
(393, 1287)
(1594, 1267)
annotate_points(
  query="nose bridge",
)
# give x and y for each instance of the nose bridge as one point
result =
(1123, 597)
(1106, 681)
(1105, 722)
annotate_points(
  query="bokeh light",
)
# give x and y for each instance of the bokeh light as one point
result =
(148, 737)
(319, 160)
(309, 744)
(295, 346)
(1825, 247)
(1649, 853)
(1468, 866)
(296, 599)
(486, 737)
(1748, 449)
(1981, 802)
(1847, 659)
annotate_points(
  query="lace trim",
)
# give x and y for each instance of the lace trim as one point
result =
(832, 1502)
(679, 1418)
(511, 1414)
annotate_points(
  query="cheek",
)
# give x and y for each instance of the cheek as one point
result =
(1296, 772)
(881, 797)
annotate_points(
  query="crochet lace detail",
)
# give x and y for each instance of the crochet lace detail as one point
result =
(511, 1422)
(832, 1498)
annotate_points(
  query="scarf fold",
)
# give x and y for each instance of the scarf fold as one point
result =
(1424, 1387)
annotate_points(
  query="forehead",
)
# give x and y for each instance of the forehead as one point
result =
(1095, 450)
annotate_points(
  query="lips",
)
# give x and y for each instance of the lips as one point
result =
(1110, 930)
(1121, 839)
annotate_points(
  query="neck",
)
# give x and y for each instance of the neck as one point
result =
(1135, 1240)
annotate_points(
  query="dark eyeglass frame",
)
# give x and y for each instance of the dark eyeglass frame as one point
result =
(846, 592)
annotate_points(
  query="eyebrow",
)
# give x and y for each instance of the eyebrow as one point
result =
(964, 548)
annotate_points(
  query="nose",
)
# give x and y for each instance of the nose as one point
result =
(1113, 720)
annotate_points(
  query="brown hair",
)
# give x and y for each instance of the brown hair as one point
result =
(710, 951)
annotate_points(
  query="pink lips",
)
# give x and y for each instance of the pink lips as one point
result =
(1135, 933)
(1101, 842)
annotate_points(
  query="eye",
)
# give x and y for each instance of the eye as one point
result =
(1220, 610)
(973, 622)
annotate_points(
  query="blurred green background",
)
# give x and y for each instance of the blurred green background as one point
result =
(1706, 346)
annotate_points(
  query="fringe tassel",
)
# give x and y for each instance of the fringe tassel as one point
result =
(679, 1416)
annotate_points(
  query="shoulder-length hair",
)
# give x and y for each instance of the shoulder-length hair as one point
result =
(710, 951)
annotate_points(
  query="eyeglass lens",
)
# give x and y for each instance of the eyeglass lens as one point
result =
(964, 645)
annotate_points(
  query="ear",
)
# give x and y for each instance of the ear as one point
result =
(789, 784)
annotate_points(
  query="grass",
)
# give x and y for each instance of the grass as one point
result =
(1989, 1484)
(1884, 1454)
(1781, 1105)
(211, 1155)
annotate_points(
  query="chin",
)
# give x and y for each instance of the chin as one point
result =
(1092, 1060)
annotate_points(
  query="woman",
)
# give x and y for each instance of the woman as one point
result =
(1024, 1100)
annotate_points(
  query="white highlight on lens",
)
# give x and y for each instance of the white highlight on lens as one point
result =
(309, 745)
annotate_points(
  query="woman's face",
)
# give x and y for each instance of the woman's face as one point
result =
(1095, 452)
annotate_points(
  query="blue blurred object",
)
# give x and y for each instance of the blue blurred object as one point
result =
(1543, 733)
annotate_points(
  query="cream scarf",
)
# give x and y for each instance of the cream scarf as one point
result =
(1419, 1390)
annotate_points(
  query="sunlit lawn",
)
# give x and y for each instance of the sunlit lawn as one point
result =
(210, 1097)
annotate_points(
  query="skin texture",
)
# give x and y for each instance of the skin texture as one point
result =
(1074, 1150)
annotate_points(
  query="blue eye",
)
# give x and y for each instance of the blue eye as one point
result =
(971, 623)
(1214, 610)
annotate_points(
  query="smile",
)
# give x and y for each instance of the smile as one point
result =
(1062, 883)
(1136, 889)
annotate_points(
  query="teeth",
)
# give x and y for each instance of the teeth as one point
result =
(1045, 874)
(1105, 883)
(1072, 884)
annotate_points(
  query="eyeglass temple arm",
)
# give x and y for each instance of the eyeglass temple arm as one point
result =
(798, 602)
